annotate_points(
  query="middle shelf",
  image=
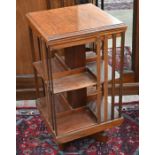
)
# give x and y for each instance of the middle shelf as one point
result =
(68, 80)
(74, 79)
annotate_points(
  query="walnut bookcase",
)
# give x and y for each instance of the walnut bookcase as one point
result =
(56, 29)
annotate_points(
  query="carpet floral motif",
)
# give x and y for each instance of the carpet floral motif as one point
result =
(33, 138)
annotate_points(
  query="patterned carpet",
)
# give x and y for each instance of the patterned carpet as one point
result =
(34, 139)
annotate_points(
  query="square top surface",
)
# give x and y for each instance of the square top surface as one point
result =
(72, 21)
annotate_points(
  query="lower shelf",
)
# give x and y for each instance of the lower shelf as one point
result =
(75, 120)
(75, 123)
(69, 120)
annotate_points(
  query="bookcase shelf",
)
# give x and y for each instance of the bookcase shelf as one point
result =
(68, 80)
(73, 82)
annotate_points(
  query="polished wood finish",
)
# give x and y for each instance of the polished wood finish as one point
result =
(98, 68)
(121, 71)
(76, 30)
(105, 78)
(113, 75)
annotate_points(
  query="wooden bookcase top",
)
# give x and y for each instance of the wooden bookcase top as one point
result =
(73, 21)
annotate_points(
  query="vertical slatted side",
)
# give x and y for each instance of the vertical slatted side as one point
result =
(102, 59)
(98, 44)
(33, 60)
(121, 72)
(49, 106)
(49, 102)
(50, 69)
(105, 77)
(102, 50)
(43, 58)
(113, 74)
(40, 58)
(39, 46)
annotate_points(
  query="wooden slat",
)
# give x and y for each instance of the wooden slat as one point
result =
(113, 74)
(98, 44)
(121, 72)
(105, 77)
(44, 58)
(49, 107)
(51, 88)
(38, 50)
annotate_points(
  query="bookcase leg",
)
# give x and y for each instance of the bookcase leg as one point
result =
(62, 146)
(100, 137)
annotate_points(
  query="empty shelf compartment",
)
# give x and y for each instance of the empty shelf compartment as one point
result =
(75, 120)
(73, 80)
(92, 68)
(92, 105)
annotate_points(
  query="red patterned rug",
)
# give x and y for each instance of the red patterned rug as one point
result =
(34, 139)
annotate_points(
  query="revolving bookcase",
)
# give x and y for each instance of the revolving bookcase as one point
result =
(54, 31)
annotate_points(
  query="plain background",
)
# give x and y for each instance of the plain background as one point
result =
(8, 77)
